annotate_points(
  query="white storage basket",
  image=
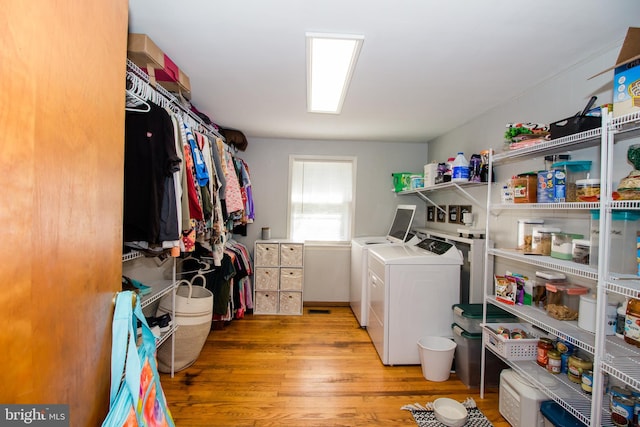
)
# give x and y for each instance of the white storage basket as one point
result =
(508, 348)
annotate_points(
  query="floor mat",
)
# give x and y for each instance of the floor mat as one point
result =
(425, 417)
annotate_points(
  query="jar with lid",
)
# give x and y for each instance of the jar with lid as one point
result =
(554, 361)
(525, 233)
(562, 245)
(581, 251)
(541, 240)
(544, 345)
(588, 190)
(577, 365)
(632, 322)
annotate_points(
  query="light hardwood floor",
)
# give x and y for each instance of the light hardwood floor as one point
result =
(318, 369)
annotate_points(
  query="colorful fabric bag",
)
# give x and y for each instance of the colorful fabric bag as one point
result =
(136, 397)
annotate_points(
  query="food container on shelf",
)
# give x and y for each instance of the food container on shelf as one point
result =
(541, 240)
(623, 249)
(574, 171)
(540, 286)
(563, 300)
(525, 188)
(562, 245)
(588, 190)
(525, 233)
(581, 251)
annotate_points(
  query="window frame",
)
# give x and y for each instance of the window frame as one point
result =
(353, 160)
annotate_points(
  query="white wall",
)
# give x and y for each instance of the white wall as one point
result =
(268, 160)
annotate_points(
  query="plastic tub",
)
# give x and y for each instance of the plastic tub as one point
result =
(622, 256)
(525, 188)
(563, 301)
(436, 357)
(556, 416)
(562, 245)
(525, 233)
(574, 171)
(467, 359)
(469, 316)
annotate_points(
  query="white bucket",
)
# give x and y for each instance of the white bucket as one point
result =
(436, 357)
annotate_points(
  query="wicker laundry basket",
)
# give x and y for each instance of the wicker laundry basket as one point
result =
(194, 311)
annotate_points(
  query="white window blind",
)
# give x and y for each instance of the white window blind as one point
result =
(321, 201)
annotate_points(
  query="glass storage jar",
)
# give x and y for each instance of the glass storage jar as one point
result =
(541, 240)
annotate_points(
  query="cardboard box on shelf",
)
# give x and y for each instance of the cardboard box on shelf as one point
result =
(626, 78)
(183, 85)
(160, 68)
(142, 51)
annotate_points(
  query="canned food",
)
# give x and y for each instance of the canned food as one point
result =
(622, 411)
(587, 381)
(577, 366)
(554, 361)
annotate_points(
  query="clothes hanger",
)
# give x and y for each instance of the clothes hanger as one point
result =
(135, 100)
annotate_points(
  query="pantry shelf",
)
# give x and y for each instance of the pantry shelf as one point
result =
(568, 267)
(589, 138)
(546, 206)
(563, 329)
(558, 387)
(460, 186)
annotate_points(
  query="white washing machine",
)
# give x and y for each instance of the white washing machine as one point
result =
(411, 292)
(397, 235)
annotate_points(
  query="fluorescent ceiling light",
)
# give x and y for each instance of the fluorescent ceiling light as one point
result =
(331, 59)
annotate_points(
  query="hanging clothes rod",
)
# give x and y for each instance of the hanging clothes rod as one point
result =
(161, 96)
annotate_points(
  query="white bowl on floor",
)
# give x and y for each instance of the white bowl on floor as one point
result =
(450, 412)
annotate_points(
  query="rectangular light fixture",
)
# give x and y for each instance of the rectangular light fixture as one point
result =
(331, 59)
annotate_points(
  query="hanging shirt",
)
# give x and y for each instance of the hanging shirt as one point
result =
(149, 158)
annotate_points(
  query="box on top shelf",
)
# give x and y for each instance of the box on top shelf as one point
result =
(143, 52)
(626, 76)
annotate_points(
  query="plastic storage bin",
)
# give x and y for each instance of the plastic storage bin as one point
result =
(541, 243)
(525, 188)
(469, 316)
(574, 171)
(507, 348)
(622, 256)
(525, 233)
(467, 359)
(563, 301)
(556, 416)
(562, 245)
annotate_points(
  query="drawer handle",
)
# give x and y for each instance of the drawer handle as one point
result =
(291, 273)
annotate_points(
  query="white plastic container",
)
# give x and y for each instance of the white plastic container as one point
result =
(460, 169)
(436, 357)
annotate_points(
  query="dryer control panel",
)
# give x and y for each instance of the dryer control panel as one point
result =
(437, 247)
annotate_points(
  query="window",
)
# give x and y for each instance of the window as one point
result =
(321, 197)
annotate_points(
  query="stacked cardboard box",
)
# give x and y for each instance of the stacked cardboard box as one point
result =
(143, 52)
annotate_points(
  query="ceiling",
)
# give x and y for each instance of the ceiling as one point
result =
(426, 66)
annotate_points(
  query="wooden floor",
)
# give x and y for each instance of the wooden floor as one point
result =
(318, 369)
